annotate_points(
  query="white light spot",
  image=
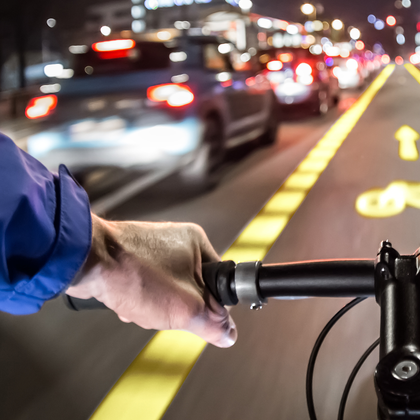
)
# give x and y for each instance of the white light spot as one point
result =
(105, 30)
(176, 57)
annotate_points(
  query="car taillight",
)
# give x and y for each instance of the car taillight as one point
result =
(304, 74)
(274, 65)
(114, 45)
(173, 94)
(41, 106)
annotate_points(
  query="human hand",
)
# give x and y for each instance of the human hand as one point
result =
(150, 274)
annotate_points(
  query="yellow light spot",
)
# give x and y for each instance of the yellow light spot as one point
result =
(244, 253)
(263, 230)
(148, 386)
(285, 201)
(407, 138)
(314, 165)
(302, 181)
(320, 153)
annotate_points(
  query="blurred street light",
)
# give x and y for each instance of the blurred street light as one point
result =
(105, 30)
(337, 24)
(51, 22)
(318, 25)
(292, 29)
(245, 4)
(379, 25)
(391, 21)
(307, 9)
(406, 3)
(371, 19)
(360, 45)
(355, 34)
(265, 23)
(400, 39)
(138, 12)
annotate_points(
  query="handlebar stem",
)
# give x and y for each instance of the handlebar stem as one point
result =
(397, 375)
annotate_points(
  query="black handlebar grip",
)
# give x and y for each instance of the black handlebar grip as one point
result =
(82, 304)
(219, 278)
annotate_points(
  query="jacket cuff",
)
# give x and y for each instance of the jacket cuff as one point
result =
(70, 251)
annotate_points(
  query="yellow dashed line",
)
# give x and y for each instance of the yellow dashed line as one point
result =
(150, 383)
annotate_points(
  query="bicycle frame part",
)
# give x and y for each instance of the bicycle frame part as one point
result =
(397, 375)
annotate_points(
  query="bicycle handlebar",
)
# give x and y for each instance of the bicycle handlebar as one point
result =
(392, 278)
(253, 282)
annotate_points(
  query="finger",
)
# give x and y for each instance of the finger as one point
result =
(215, 326)
(123, 319)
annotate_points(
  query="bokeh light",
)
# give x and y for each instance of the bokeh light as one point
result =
(391, 21)
(379, 25)
(307, 9)
(371, 19)
(355, 34)
(360, 45)
(337, 24)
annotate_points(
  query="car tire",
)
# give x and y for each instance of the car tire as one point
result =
(201, 175)
(270, 134)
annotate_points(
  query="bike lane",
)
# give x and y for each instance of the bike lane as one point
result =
(151, 390)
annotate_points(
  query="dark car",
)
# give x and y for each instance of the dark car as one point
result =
(300, 77)
(152, 105)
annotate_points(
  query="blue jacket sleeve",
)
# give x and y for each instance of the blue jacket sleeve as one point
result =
(45, 230)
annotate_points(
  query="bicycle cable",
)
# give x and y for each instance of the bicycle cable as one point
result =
(351, 379)
(315, 351)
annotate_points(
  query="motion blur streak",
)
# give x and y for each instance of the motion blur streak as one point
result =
(151, 382)
(254, 244)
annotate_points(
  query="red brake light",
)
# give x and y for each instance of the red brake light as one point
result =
(114, 45)
(173, 94)
(40, 107)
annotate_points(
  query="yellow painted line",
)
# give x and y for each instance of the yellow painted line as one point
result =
(413, 70)
(150, 383)
(407, 137)
(259, 236)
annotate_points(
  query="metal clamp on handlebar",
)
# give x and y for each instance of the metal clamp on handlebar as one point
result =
(246, 284)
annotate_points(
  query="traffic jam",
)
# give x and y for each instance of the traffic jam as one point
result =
(284, 134)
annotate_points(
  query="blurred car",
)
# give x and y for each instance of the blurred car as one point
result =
(153, 105)
(300, 78)
(350, 72)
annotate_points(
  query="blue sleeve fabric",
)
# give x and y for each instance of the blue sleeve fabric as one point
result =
(45, 230)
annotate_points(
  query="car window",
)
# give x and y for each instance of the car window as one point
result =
(214, 60)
